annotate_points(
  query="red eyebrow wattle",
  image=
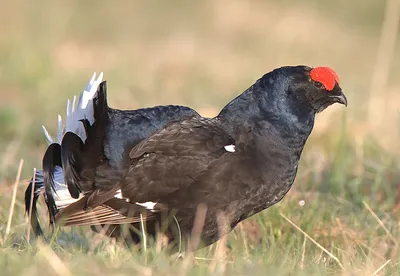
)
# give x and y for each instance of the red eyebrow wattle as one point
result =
(326, 76)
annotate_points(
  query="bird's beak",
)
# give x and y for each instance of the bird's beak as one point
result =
(341, 98)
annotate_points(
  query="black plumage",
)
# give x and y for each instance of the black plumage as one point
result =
(51, 160)
(238, 163)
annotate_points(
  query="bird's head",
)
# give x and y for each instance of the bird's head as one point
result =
(289, 95)
(311, 88)
(322, 88)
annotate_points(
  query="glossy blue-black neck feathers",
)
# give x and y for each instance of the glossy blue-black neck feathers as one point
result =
(273, 101)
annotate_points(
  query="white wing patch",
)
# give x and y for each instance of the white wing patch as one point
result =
(230, 148)
(76, 112)
(118, 194)
(148, 205)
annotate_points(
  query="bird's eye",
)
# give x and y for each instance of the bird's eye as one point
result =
(318, 85)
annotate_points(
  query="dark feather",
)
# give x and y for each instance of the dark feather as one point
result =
(80, 159)
(51, 159)
(38, 189)
(99, 162)
(165, 162)
(89, 202)
(183, 163)
(113, 211)
(71, 147)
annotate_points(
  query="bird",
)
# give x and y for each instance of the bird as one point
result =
(97, 135)
(233, 165)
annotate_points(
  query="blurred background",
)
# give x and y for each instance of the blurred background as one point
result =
(203, 54)
(200, 54)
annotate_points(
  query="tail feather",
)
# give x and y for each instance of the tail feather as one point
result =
(71, 148)
(38, 189)
(81, 158)
(51, 159)
(49, 138)
(60, 128)
(76, 112)
(59, 195)
(50, 181)
(84, 108)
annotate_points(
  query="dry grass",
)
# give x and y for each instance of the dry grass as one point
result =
(202, 54)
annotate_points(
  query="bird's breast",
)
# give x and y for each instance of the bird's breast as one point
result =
(268, 182)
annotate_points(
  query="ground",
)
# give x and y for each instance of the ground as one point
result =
(342, 215)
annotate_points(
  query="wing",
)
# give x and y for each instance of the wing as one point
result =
(113, 211)
(102, 207)
(90, 201)
(173, 158)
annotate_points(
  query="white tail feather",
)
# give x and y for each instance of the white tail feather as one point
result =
(73, 104)
(60, 128)
(49, 139)
(77, 111)
(68, 107)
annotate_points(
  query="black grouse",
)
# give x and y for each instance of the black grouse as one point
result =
(237, 164)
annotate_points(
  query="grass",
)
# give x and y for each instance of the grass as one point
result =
(338, 231)
(202, 55)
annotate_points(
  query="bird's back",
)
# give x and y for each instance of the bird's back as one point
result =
(127, 128)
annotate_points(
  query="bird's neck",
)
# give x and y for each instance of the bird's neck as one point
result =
(265, 115)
